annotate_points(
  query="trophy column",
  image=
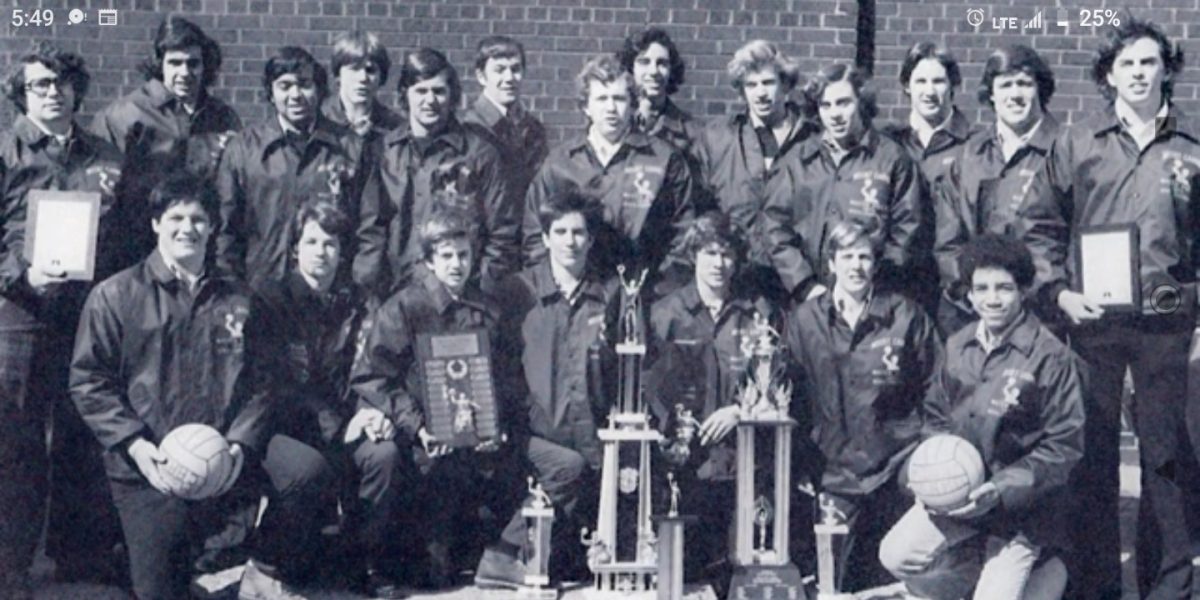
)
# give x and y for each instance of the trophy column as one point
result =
(762, 562)
(539, 520)
(626, 567)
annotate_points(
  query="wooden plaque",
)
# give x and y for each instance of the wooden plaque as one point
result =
(460, 398)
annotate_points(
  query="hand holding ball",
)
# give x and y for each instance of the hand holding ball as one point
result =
(943, 470)
(200, 463)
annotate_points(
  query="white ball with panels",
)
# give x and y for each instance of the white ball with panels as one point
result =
(943, 470)
(198, 461)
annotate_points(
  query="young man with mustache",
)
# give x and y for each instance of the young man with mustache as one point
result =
(559, 323)
(46, 149)
(520, 136)
(643, 182)
(1015, 392)
(1135, 163)
(270, 169)
(442, 299)
(865, 358)
(849, 172)
(697, 363)
(169, 342)
(751, 160)
(988, 183)
(173, 122)
(433, 152)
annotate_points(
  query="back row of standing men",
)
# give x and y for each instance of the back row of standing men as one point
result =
(785, 173)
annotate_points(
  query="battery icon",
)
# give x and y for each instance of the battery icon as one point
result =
(1062, 18)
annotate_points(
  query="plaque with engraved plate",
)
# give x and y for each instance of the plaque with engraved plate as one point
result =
(460, 397)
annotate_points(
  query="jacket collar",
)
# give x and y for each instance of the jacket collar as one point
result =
(1041, 140)
(1022, 336)
(441, 298)
(547, 290)
(324, 131)
(381, 116)
(453, 135)
(634, 139)
(880, 307)
(489, 114)
(690, 295)
(34, 137)
(1177, 122)
(812, 146)
(672, 118)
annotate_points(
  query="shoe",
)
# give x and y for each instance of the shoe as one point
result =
(498, 570)
(257, 585)
(380, 585)
(440, 571)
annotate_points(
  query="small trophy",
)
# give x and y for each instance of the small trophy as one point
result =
(626, 566)
(763, 566)
(670, 546)
(539, 518)
(832, 524)
(679, 449)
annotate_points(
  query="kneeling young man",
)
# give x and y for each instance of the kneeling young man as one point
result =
(866, 358)
(1014, 391)
(165, 343)
(697, 335)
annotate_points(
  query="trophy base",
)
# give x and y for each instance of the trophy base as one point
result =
(535, 593)
(779, 582)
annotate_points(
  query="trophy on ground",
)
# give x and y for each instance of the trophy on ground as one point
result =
(831, 526)
(670, 546)
(762, 565)
(539, 518)
(625, 566)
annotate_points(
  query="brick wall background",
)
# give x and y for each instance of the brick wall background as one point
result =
(560, 34)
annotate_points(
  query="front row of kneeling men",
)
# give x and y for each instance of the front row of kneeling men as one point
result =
(323, 399)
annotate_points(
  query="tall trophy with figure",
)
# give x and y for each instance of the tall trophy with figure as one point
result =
(622, 551)
(762, 564)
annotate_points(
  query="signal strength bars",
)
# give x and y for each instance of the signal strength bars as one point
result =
(1035, 23)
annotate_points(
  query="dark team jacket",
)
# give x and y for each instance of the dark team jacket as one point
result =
(865, 391)
(876, 182)
(735, 178)
(522, 143)
(314, 338)
(982, 193)
(683, 132)
(1022, 407)
(398, 197)
(364, 148)
(263, 179)
(387, 372)
(566, 353)
(699, 363)
(1095, 175)
(151, 355)
(646, 193)
(940, 154)
(26, 163)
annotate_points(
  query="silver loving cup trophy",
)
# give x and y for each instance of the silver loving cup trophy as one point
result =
(626, 566)
(539, 520)
(763, 568)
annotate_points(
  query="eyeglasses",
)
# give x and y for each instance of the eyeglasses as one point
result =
(41, 87)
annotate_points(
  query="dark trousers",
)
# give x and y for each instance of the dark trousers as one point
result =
(162, 532)
(562, 473)
(23, 462)
(868, 517)
(709, 541)
(380, 475)
(1155, 350)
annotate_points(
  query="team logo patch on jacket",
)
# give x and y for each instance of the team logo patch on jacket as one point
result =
(230, 333)
(1010, 397)
(644, 182)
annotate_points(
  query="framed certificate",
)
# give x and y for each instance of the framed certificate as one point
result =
(1107, 266)
(60, 231)
(460, 403)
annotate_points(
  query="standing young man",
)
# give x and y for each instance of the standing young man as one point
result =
(520, 136)
(849, 172)
(865, 359)
(559, 323)
(1136, 165)
(39, 308)
(168, 342)
(986, 187)
(642, 182)
(432, 153)
(270, 169)
(1015, 392)
(751, 160)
